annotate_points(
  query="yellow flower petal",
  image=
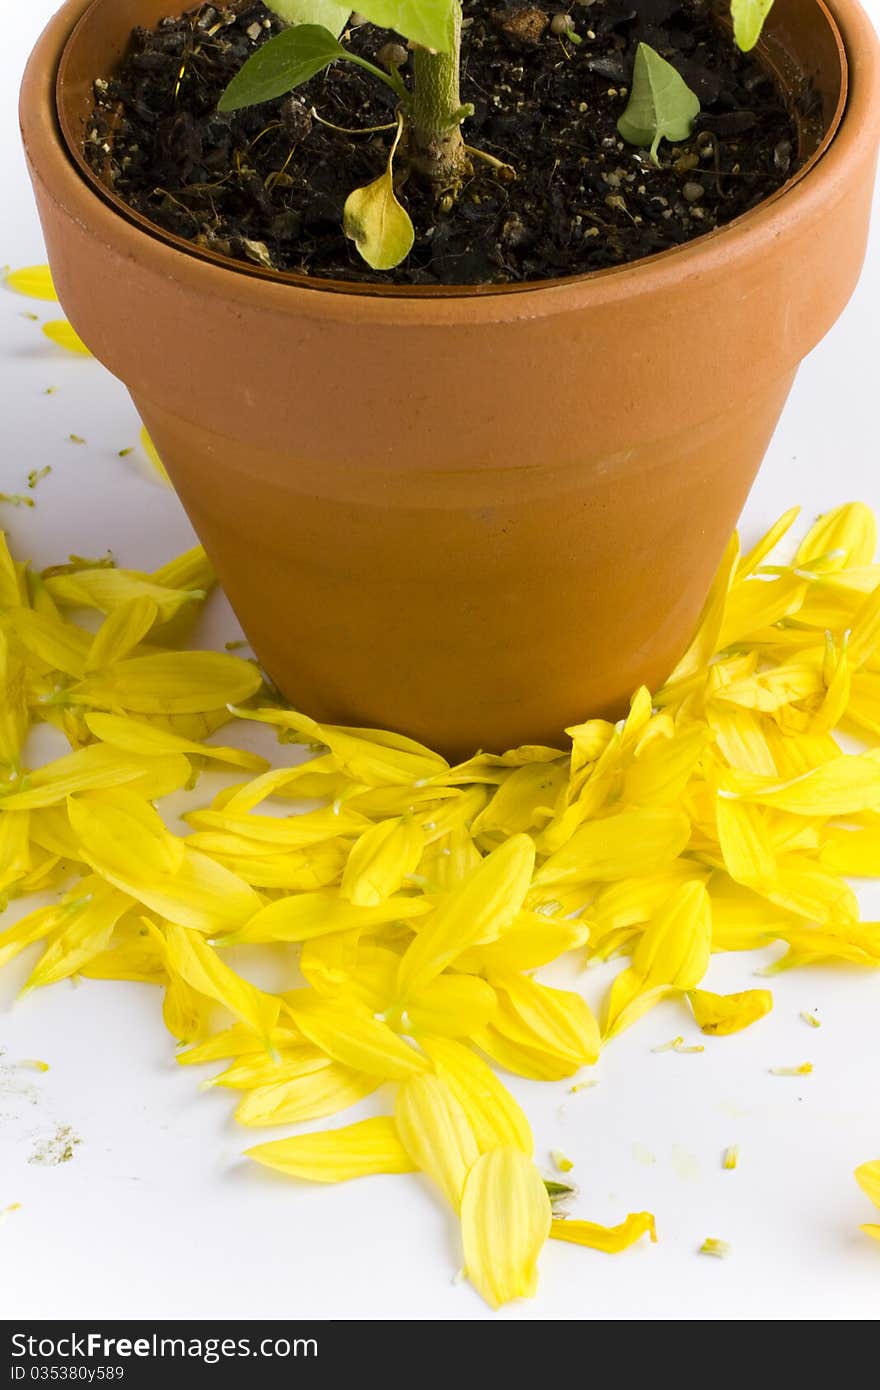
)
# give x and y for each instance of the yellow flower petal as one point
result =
(191, 957)
(486, 903)
(767, 543)
(137, 736)
(610, 1239)
(62, 646)
(348, 1033)
(452, 1006)
(494, 1115)
(522, 798)
(172, 683)
(121, 632)
(535, 1063)
(60, 332)
(307, 915)
(153, 455)
(619, 846)
(237, 1041)
(505, 1222)
(556, 1021)
(854, 852)
(436, 1133)
(381, 860)
(337, 1155)
(720, 1014)
(847, 536)
(325, 1091)
(293, 832)
(34, 281)
(756, 604)
(89, 769)
(372, 756)
(843, 787)
(108, 589)
(745, 842)
(533, 940)
(185, 1012)
(868, 1178)
(705, 641)
(661, 772)
(267, 1069)
(673, 954)
(139, 960)
(85, 934)
(127, 844)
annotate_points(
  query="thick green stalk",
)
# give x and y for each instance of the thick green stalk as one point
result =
(437, 145)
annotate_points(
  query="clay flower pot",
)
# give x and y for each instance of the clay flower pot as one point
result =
(476, 516)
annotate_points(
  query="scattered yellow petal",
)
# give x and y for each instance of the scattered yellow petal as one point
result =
(730, 1158)
(60, 332)
(505, 1221)
(610, 1239)
(337, 1155)
(673, 954)
(722, 1014)
(810, 1019)
(34, 281)
(868, 1178)
(348, 1033)
(720, 815)
(152, 454)
(563, 1164)
(436, 1133)
(803, 1070)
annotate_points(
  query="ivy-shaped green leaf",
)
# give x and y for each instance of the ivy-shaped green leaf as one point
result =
(428, 22)
(328, 13)
(283, 63)
(661, 104)
(748, 20)
(376, 222)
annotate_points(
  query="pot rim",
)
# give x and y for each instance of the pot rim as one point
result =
(774, 56)
(822, 178)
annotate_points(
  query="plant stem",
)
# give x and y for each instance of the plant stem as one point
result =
(437, 146)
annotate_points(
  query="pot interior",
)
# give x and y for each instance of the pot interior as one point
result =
(801, 44)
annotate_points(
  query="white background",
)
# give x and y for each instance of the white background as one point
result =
(157, 1214)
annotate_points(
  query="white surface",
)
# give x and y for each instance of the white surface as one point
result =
(156, 1215)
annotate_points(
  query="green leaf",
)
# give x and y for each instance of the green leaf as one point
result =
(283, 63)
(328, 13)
(428, 22)
(661, 104)
(376, 222)
(748, 20)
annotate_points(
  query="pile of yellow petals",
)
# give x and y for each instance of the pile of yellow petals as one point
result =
(720, 815)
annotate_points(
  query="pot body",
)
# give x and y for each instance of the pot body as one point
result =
(475, 519)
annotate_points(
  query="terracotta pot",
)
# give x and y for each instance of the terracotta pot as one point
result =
(473, 516)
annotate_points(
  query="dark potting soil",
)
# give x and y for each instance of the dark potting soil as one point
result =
(268, 184)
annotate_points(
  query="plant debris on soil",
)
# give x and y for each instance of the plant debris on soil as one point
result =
(267, 184)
